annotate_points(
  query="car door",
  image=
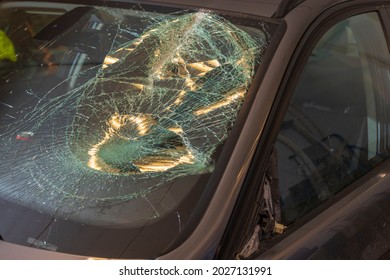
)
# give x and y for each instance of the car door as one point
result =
(325, 193)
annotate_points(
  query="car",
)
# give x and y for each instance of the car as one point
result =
(167, 129)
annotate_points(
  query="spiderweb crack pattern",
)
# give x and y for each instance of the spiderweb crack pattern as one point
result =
(155, 110)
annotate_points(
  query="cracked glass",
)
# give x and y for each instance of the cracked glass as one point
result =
(111, 119)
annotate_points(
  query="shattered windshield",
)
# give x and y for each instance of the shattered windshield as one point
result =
(111, 119)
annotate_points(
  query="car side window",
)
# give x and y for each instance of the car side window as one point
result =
(337, 126)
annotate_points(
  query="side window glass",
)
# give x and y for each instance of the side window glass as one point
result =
(337, 125)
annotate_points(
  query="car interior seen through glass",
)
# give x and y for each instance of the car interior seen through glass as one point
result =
(337, 125)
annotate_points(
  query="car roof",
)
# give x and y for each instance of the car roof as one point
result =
(265, 8)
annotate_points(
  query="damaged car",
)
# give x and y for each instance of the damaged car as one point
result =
(172, 129)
